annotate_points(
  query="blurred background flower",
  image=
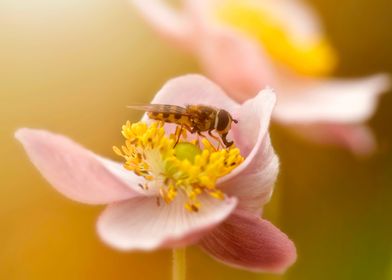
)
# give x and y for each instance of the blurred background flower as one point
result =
(245, 45)
(72, 66)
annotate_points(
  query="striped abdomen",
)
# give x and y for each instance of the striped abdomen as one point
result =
(171, 118)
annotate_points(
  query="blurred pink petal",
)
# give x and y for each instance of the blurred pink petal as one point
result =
(167, 22)
(74, 171)
(257, 174)
(238, 64)
(340, 101)
(357, 138)
(249, 242)
(233, 60)
(140, 224)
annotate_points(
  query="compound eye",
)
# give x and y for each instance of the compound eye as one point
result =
(223, 120)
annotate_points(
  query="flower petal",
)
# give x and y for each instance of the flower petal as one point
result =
(169, 23)
(253, 120)
(341, 101)
(357, 138)
(253, 181)
(234, 61)
(140, 224)
(193, 89)
(248, 242)
(75, 171)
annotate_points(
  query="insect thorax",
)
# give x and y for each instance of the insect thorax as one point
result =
(203, 117)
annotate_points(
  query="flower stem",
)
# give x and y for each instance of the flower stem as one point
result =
(179, 264)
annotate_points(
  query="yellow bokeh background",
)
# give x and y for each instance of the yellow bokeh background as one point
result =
(71, 66)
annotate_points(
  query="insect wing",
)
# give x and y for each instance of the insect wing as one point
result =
(160, 108)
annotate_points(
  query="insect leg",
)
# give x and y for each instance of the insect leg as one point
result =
(202, 135)
(216, 138)
(187, 127)
(178, 133)
(227, 143)
(193, 130)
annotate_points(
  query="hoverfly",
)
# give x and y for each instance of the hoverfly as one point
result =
(194, 118)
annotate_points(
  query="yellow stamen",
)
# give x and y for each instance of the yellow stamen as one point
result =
(172, 169)
(314, 58)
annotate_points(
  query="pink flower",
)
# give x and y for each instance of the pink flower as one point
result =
(229, 229)
(244, 45)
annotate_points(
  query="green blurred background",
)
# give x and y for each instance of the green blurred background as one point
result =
(71, 66)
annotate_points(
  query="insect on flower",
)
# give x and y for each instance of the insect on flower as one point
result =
(194, 118)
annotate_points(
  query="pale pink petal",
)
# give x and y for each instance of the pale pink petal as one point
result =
(141, 224)
(341, 101)
(248, 242)
(170, 24)
(357, 138)
(253, 120)
(234, 61)
(193, 89)
(128, 177)
(253, 181)
(75, 171)
(200, 11)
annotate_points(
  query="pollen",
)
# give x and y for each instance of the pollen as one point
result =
(313, 57)
(187, 169)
